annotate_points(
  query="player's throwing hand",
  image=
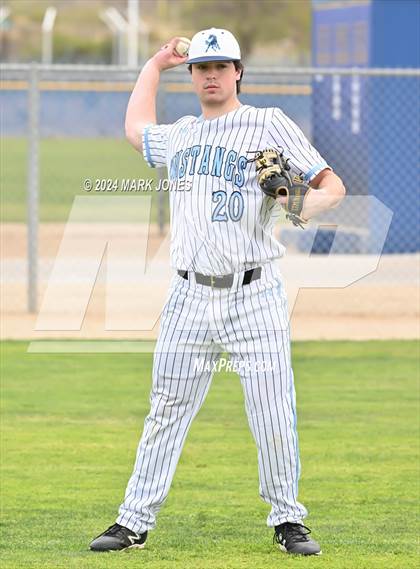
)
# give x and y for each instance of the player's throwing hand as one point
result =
(168, 57)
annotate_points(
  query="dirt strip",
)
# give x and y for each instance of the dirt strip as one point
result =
(382, 305)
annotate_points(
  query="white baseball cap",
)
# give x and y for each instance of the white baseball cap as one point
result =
(213, 45)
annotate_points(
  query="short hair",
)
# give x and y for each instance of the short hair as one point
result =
(238, 66)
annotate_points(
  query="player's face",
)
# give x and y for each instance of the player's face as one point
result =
(215, 81)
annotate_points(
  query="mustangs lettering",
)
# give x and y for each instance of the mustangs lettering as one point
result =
(209, 161)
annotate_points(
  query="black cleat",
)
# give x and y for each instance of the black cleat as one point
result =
(116, 538)
(293, 538)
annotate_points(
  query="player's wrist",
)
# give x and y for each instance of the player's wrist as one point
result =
(306, 212)
(154, 64)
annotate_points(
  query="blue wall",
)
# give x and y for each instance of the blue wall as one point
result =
(395, 39)
(382, 158)
(101, 113)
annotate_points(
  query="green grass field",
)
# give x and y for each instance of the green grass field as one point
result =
(70, 429)
(64, 165)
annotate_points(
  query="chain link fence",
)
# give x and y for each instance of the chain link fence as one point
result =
(63, 128)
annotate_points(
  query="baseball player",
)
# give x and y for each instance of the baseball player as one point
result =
(233, 169)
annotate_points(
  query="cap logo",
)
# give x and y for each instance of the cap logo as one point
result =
(212, 42)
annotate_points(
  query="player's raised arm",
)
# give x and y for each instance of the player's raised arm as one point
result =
(141, 109)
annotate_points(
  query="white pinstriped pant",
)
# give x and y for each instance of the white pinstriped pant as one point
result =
(250, 322)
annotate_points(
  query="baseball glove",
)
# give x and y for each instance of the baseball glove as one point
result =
(276, 180)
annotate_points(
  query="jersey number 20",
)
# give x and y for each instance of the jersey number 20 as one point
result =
(235, 206)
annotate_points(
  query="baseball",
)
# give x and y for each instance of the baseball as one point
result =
(182, 46)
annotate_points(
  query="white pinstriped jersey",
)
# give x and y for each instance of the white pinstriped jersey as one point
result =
(221, 222)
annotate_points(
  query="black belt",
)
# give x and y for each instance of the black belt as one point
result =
(225, 281)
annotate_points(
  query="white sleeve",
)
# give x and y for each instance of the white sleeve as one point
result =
(304, 158)
(155, 144)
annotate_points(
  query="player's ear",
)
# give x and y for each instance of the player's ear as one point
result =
(239, 70)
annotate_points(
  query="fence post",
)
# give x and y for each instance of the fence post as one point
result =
(33, 187)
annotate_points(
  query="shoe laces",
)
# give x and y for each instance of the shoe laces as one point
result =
(115, 529)
(297, 532)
